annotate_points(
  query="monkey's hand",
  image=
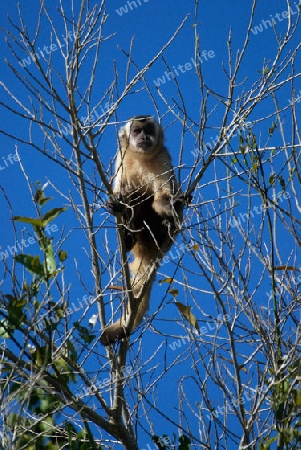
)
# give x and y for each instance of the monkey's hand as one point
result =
(163, 204)
(166, 204)
(116, 205)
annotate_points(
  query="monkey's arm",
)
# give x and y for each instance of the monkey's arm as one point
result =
(164, 185)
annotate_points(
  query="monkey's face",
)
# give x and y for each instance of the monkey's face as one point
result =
(143, 136)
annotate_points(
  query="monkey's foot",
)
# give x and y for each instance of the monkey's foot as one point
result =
(113, 334)
(129, 239)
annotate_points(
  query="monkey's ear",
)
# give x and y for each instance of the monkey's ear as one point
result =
(125, 131)
(123, 137)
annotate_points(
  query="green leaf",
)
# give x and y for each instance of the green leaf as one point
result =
(254, 167)
(61, 365)
(36, 222)
(4, 328)
(71, 351)
(39, 194)
(62, 254)
(44, 200)
(184, 443)
(55, 272)
(298, 397)
(32, 264)
(59, 310)
(267, 444)
(40, 235)
(272, 129)
(50, 261)
(44, 405)
(84, 333)
(282, 182)
(46, 425)
(41, 356)
(272, 178)
(159, 443)
(15, 301)
(280, 411)
(40, 197)
(52, 214)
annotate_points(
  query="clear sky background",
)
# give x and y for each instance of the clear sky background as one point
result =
(151, 24)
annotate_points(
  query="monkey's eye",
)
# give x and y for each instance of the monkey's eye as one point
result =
(136, 131)
(149, 130)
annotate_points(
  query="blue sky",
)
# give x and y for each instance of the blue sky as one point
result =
(152, 23)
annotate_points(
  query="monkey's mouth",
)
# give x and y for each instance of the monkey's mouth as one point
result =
(144, 144)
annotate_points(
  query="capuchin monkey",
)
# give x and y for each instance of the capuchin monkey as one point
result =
(147, 196)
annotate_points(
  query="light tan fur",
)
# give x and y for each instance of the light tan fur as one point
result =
(145, 182)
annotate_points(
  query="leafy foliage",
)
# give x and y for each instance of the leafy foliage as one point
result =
(37, 427)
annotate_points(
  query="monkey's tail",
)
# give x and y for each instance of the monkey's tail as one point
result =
(143, 270)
